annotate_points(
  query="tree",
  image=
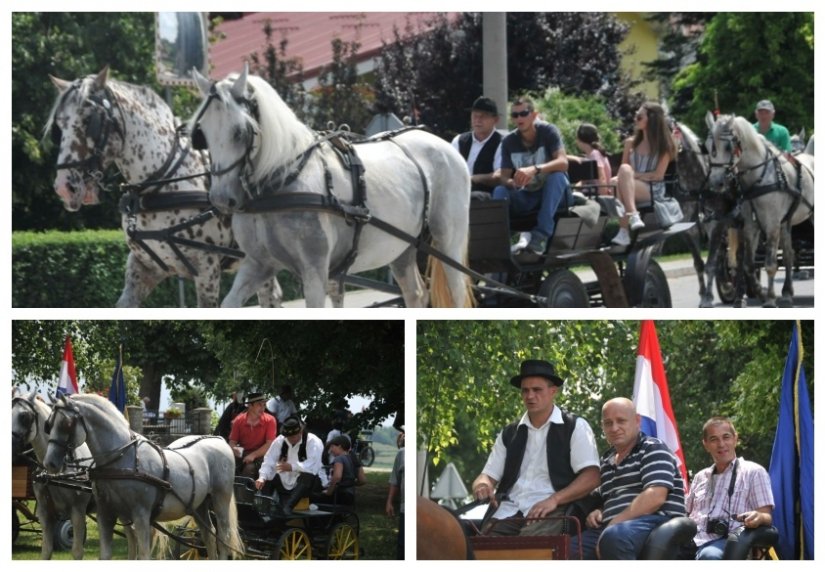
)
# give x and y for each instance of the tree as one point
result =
(713, 368)
(747, 56)
(280, 71)
(575, 52)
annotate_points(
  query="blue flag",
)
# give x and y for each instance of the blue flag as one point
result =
(117, 391)
(792, 461)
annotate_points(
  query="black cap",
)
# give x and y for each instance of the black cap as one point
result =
(254, 397)
(291, 427)
(537, 368)
(485, 104)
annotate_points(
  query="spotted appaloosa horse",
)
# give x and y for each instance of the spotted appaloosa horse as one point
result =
(97, 121)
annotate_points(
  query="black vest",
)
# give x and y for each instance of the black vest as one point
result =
(561, 473)
(484, 161)
(302, 449)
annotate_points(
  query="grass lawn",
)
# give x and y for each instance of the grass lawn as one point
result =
(377, 538)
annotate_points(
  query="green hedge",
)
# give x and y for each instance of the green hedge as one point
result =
(85, 269)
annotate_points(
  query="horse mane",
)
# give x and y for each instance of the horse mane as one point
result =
(689, 138)
(282, 135)
(102, 406)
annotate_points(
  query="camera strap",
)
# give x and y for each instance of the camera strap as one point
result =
(731, 486)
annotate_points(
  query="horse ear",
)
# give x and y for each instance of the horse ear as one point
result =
(709, 119)
(204, 85)
(102, 77)
(61, 84)
(802, 134)
(239, 87)
(31, 396)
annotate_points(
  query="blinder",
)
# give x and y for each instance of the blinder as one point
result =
(199, 140)
(57, 135)
(49, 422)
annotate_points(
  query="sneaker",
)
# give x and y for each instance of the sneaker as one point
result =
(622, 238)
(523, 241)
(636, 221)
(538, 243)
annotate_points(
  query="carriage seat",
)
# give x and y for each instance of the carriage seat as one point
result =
(665, 541)
(744, 542)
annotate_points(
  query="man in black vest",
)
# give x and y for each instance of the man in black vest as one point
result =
(293, 464)
(480, 146)
(540, 464)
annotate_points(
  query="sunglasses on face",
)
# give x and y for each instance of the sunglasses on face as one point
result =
(517, 114)
(639, 117)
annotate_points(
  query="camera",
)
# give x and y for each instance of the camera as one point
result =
(717, 526)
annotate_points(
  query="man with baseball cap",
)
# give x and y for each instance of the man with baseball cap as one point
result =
(293, 465)
(252, 433)
(539, 464)
(480, 146)
(773, 132)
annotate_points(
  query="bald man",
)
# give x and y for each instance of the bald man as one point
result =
(641, 487)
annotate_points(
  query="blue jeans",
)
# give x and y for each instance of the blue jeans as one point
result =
(712, 550)
(556, 190)
(623, 541)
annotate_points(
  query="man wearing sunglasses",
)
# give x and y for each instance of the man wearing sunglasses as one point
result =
(533, 173)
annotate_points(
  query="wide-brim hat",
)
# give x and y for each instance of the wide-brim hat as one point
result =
(537, 368)
(255, 397)
(485, 104)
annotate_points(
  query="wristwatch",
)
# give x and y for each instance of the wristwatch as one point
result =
(538, 170)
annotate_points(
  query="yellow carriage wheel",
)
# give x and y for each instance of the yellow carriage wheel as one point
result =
(342, 543)
(188, 530)
(294, 544)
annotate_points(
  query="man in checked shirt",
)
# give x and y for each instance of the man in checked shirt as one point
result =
(730, 493)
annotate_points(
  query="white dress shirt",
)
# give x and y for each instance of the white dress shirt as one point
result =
(533, 484)
(312, 464)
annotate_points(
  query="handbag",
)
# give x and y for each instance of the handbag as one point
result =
(667, 210)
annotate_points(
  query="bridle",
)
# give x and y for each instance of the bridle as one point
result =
(24, 402)
(101, 125)
(73, 413)
(199, 140)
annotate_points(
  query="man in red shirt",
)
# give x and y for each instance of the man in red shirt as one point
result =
(253, 431)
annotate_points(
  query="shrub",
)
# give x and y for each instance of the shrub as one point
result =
(567, 112)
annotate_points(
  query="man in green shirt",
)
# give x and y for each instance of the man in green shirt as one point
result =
(773, 132)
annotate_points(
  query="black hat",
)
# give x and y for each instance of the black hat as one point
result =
(254, 397)
(537, 368)
(291, 427)
(485, 104)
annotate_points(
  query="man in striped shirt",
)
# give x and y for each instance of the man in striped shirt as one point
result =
(641, 487)
(731, 493)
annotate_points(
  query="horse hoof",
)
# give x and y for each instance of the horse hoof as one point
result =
(785, 302)
(769, 304)
(706, 304)
(738, 303)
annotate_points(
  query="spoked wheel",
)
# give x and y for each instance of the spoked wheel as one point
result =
(190, 534)
(342, 543)
(725, 286)
(563, 289)
(294, 544)
(656, 292)
(15, 525)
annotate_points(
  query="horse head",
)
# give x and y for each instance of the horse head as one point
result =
(67, 432)
(692, 161)
(225, 123)
(87, 134)
(798, 142)
(724, 149)
(26, 422)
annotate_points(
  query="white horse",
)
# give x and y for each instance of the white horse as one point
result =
(775, 194)
(136, 481)
(28, 421)
(97, 121)
(295, 191)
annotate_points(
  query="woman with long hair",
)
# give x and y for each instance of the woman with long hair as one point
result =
(645, 159)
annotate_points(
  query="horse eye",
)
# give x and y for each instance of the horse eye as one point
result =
(239, 135)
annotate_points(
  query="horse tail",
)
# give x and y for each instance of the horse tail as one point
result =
(441, 296)
(159, 544)
(236, 546)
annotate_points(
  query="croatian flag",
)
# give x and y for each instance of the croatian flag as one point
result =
(67, 385)
(652, 398)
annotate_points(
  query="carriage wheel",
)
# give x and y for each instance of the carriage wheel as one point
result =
(342, 543)
(367, 456)
(15, 525)
(294, 544)
(64, 535)
(563, 289)
(725, 286)
(656, 292)
(190, 533)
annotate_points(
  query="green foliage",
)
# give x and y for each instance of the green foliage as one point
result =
(576, 52)
(747, 56)
(277, 68)
(567, 112)
(729, 368)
